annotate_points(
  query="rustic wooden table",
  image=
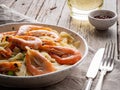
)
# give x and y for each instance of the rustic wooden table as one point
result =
(56, 12)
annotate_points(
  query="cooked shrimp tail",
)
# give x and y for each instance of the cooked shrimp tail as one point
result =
(39, 33)
(23, 41)
(10, 66)
(7, 52)
(37, 64)
(25, 28)
(63, 55)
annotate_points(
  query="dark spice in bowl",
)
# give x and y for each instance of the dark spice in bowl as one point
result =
(102, 17)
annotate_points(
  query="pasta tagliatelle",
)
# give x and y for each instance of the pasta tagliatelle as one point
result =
(35, 50)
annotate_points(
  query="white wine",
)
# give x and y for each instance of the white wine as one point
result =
(85, 4)
(80, 8)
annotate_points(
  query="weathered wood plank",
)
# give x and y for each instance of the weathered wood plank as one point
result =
(51, 11)
(65, 20)
(7, 2)
(35, 8)
(22, 6)
(118, 11)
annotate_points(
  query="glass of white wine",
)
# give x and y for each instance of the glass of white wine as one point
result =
(79, 9)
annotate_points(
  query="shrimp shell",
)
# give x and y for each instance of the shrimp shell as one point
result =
(41, 64)
(39, 33)
(7, 52)
(10, 66)
(26, 28)
(63, 55)
(23, 41)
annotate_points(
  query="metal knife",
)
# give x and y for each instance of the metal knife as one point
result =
(94, 67)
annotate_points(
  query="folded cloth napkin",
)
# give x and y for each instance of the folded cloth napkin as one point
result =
(77, 79)
(8, 15)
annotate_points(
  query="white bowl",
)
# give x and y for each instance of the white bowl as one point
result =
(45, 79)
(100, 23)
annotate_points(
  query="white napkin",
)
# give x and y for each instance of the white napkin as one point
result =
(8, 15)
(77, 79)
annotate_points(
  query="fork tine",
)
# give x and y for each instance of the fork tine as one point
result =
(108, 53)
(112, 53)
(105, 55)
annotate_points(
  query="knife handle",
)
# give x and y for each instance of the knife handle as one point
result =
(89, 83)
(100, 81)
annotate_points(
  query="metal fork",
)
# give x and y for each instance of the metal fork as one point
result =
(107, 63)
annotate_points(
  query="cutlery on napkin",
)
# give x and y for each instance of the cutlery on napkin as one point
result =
(93, 68)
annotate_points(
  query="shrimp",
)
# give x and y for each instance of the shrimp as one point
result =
(25, 28)
(63, 55)
(36, 63)
(23, 41)
(10, 66)
(9, 33)
(39, 33)
(47, 37)
(4, 34)
(7, 52)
